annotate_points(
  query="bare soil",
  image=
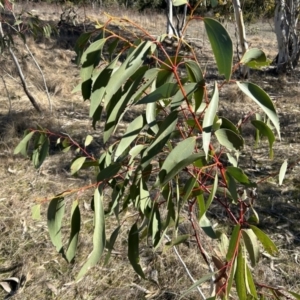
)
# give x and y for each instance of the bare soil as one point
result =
(25, 243)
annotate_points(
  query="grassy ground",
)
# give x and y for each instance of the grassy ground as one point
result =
(26, 242)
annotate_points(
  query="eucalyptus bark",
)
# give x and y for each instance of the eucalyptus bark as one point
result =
(241, 32)
(286, 20)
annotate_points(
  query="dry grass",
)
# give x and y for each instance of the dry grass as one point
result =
(26, 241)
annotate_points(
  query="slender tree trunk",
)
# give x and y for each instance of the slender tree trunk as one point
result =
(171, 28)
(286, 20)
(21, 75)
(241, 32)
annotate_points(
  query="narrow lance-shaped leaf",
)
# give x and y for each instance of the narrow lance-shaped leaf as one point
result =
(209, 119)
(178, 98)
(250, 285)
(127, 69)
(250, 241)
(131, 133)
(77, 164)
(88, 140)
(221, 44)
(75, 228)
(265, 240)
(260, 97)
(240, 276)
(89, 60)
(43, 151)
(156, 225)
(234, 242)
(265, 130)
(36, 212)
(229, 139)
(133, 250)
(120, 101)
(111, 243)
(99, 234)
(282, 171)
(99, 87)
(165, 91)
(55, 215)
(239, 175)
(196, 283)
(165, 130)
(182, 151)
(22, 146)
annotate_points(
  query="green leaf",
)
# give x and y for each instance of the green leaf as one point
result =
(77, 164)
(41, 150)
(198, 282)
(132, 63)
(230, 279)
(109, 172)
(227, 124)
(265, 240)
(250, 285)
(234, 242)
(251, 244)
(178, 240)
(183, 150)
(194, 71)
(55, 215)
(231, 185)
(165, 91)
(260, 97)
(75, 228)
(165, 130)
(253, 55)
(221, 44)
(99, 87)
(88, 140)
(212, 193)
(229, 139)
(265, 130)
(188, 188)
(110, 244)
(22, 146)
(133, 250)
(99, 234)
(239, 175)
(121, 101)
(205, 224)
(224, 244)
(240, 276)
(89, 60)
(282, 171)
(167, 175)
(209, 119)
(131, 133)
(36, 212)
(156, 225)
(177, 100)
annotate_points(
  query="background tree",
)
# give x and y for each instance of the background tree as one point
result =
(286, 21)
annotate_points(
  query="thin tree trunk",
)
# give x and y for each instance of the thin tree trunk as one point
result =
(21, 75)
(241, 32)
(286, 20)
